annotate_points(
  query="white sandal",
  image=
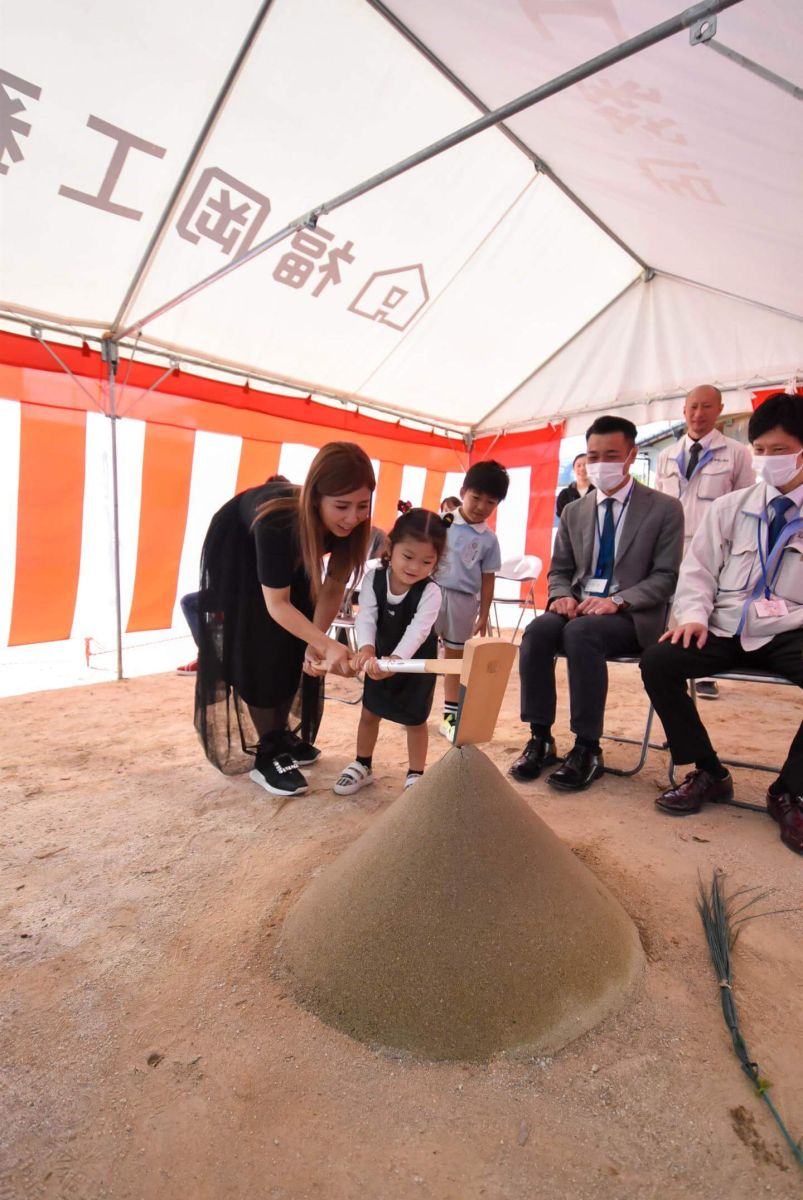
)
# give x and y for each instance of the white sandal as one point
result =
(354, 777)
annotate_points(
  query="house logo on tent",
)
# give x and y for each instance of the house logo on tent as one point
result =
(393, 297)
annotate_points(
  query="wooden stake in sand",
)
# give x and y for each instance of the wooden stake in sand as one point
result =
(459, 926)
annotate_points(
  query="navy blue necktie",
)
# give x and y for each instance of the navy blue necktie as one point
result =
(694, 455)
(780, 506)
(607, 543)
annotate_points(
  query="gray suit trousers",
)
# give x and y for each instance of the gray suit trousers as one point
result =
(587, 643)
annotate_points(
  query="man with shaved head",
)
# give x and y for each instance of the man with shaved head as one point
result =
(699, 468)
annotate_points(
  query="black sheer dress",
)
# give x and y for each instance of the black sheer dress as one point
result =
(250, 687)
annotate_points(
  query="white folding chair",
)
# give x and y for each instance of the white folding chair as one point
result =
(525, 569)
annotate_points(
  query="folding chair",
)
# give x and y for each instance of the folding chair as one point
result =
(525, 569)
(643, 742)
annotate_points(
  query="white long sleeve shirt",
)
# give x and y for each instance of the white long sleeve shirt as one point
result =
(417, 631)
(722, 567)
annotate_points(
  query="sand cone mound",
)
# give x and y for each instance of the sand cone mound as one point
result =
(459, 925)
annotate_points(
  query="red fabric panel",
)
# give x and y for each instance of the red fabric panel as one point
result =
(26, 352)
(49, 522)
(538, 449)
(258, 460)
(387, 495)
(433, 490)
(166, 473)
(760, 397)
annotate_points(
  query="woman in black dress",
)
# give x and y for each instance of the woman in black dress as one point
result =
(265, 606)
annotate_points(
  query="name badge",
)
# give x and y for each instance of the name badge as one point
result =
(771, 608)
(596, 587)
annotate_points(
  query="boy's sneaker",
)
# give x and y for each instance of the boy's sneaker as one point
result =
(304, 753)
(412, 777)
(189, 669)
(449, 725)
(279, 775)
(354, 777)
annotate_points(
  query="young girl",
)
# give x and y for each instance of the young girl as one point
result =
(265, 607)
(398, 606)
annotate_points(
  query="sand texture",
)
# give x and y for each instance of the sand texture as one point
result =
(459, 925)
(149, 1050)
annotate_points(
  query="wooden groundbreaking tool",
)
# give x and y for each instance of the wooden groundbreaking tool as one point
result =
(484, 671)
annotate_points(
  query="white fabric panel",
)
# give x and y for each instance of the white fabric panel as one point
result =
(511, 529)
(453, 483)
(9, 491)
(364, 100)
(95, 607)
(128, 68)
(412, 488)
(684, 154)
(295, 460)
(661, 337)
(215, 460)
(543, 273)
(94, 614)
(130, 457)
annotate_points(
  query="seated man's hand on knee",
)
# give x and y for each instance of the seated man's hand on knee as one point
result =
(565, 606)
(687, 633)
(597, 606)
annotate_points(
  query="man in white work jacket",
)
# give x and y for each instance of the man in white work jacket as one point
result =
(739, 604)
(699, 468)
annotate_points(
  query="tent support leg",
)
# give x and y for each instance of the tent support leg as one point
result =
(109, 351)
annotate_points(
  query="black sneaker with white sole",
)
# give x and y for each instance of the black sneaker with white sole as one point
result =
(279, 775)
(304, 753)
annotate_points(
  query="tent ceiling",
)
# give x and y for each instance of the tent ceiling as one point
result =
(442, 293)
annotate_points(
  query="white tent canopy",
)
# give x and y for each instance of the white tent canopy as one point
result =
(474, 290)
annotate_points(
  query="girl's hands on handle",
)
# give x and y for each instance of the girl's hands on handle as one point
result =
(372, 668)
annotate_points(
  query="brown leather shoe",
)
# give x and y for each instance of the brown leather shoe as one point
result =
(787, 810)
(697, 788)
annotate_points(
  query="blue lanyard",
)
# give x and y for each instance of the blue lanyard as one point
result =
(617, 523)
(769, 566)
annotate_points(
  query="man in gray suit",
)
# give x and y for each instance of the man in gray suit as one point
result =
(613, 573)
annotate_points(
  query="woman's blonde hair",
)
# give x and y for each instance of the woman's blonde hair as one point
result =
(336, 470)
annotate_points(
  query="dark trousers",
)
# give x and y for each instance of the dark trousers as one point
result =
(189, 606)
(587, 643)
(665, 669)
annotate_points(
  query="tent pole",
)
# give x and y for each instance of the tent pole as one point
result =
(693, 17)
(110, 354)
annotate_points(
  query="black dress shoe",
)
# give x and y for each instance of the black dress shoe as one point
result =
(537, 754)
(697, 789)
(580, 768)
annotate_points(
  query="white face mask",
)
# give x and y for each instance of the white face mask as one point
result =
(607, 476)
(776, 469)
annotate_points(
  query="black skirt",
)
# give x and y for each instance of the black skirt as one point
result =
(249, 684)
(404, 699)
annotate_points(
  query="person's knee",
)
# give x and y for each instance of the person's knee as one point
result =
(540, 638)
(654, 663)
(581, 634)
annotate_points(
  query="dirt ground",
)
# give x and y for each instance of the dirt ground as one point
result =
(147, 1049)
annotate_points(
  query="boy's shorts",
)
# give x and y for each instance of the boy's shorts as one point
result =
(457, 618)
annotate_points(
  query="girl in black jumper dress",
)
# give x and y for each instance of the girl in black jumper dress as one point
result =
(399, 604)
(265, 606)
